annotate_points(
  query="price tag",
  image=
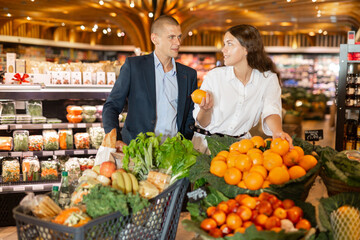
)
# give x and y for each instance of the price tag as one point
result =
(1, 189)
(4, 127)
(47, 126)
(19, 188)
(28, 154)
(96, 124)
(92, 151)
(79, 152)
(314, 135)
(81, 125)
(16, 154)
(196, 195)
(71, 125)
(59, 153)
(18, 126)
(47, 153)
(38, 187)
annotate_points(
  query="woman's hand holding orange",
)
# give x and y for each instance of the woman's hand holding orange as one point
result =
(207, 103)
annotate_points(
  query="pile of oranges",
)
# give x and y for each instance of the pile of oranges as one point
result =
(246, 166)
(266, 212)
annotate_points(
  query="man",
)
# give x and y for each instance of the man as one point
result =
(157, 89)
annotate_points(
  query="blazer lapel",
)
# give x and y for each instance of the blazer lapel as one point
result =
(149, 77)
(182, 94)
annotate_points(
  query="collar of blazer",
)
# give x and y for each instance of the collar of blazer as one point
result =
(182, 79)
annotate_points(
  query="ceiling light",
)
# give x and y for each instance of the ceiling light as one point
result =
(94, 29)
(320, 31)
(122, 34)
(190, 33)
(112, 14)
(82, 27)
(132, 4)
(228, 20)
(325, 32)
(8, 14)
(285, 24)
(32, 0)
(312, 34)
(63, 24)
(101, 2)
(191, 9)
(96, 26)
(109, 29)
(318, 15)
(28, 18)
(288, 0)
(119, 34)
(104, 31)
(151, 15)
(268, 23)
(313, 0)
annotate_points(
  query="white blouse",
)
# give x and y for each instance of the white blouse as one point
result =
(238, 108)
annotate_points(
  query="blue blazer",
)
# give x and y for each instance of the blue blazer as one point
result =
(136, 83)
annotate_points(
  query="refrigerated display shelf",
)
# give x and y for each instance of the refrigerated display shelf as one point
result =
(72, 152)
(24, 187)
(10, 127)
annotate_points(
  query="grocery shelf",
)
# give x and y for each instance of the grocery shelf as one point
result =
(72, 152)
(24, 187)
(48, 126)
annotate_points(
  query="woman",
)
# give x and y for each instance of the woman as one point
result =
(238, 95)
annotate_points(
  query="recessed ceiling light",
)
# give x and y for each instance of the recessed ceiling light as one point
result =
(228, 20)
(8, 14)
(82, 27)
(132, 4)
(325, 32)
(312, 34)
(104, 31)
(113, 14)
(288, 0)
(119, 34)
(63, 24)
(96, 26)
(101, 2)
(151, 15)
(94, 29)
(190, 33)
(28, 18)
(313, 0)
(320, 31)
(108, 29)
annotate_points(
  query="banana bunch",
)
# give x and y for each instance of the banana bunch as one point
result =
(125, 182)
(345, 221)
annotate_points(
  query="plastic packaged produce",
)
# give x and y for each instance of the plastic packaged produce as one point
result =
(66, 139)
(8, 107)
(88, 118)
(51, 140)
(74, 110)
(62, 160)
(72, 166)
(82, 141)
(53, 120)
(74, 118)
(21, 140)
(6, 143)
(31, 169)
(39, 119)
(23, 118)
(89, 110)
(97, 135)
(34, 108)
(99, 109)
(86, 163)
(49, 170)
(10, 170)
(7, 119)
(36, 143)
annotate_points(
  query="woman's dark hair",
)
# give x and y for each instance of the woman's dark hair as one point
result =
(250, 38)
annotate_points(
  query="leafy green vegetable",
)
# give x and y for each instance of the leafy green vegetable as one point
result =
(217, 143)
(103, 200)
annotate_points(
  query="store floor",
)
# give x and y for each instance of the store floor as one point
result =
(317, 191)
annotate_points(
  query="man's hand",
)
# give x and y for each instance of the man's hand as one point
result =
(119, 145)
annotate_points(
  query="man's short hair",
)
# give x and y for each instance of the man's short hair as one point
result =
(160, 21)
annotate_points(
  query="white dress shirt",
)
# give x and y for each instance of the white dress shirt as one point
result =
(238, 108)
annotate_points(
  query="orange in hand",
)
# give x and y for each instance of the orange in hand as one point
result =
(198, 95)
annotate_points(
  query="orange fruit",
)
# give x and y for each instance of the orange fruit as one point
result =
(233, 153)
(244, 212)
(248, 201)
(243, 146)
(256, 158)
(267, 151)
(224, 154)
(244, 175)
(234, 146)
(243, 163)
(230, 161)
(218, 168)
(218, 158)
(291, 158)
(232, 176)
(258, 141)
(299, 150)
(233, 221)
(241, 184)
(254, 150)
(303, 224)
(267, 140)
(296, 172)
(280, 146)
(272, 160)
(208, 224)
(266, 184)
(254, 181)
(239, 230)
(198, 95)
(307, 162)
(259, 169)
(278, 175)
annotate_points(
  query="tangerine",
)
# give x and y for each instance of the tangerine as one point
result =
(224, 154)
(266, 184)
(280, 146)
(258, 141)
(234, 146)
(291, 158)
(299, 150)
(256, 158)
(307, 162)
(218, 158)
(198, 95)
(278, 175)
(259, 169)
(232, 176)
(296, 172)
(272, 160)
(303, 224)
(243, 146)
(241, 184)
(243, 163)
(218, 168)
(233, 221)
(230, 161)
(254, 150)
(248, 201)
(208, 224)
(254, 181)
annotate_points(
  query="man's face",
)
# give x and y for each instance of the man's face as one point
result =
(167, 40)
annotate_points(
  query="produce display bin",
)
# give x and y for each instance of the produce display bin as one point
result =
(158, 221)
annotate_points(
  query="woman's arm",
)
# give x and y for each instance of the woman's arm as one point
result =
(274, 122)
(204, 115)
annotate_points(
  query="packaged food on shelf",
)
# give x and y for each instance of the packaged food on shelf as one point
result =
(82, 141)
(49, 170)
(7, 119)
(21, 140)
(74, 110)
(23, 118)
(97, 135)
(89, 110)
(66, 139)
(8, 107)
(34, 108)
(6, 143)
(39, 119)
(88, 118)
(72, 166)
(53, 120)
(10, 170)
(86, 163)
(51, 140)
(31, 169)
(36, 143)
(99, 109)
(74, 118)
